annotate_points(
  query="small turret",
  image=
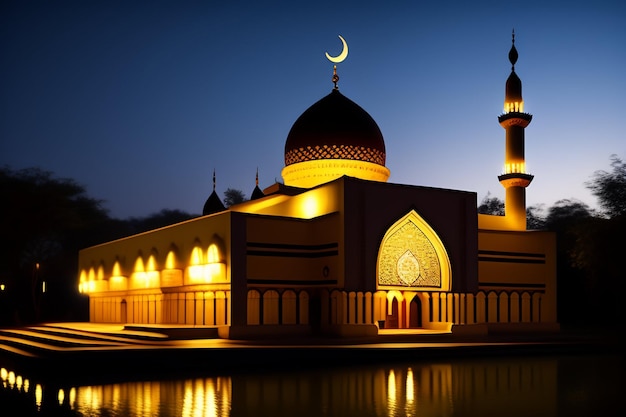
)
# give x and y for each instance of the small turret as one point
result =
(213, 204)
(257, 193)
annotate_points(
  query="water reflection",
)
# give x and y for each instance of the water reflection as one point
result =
(505, 386)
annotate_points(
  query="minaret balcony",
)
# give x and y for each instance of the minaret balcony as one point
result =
(515, 119)
(515, 179)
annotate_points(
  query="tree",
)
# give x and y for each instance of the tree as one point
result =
(535, 217)
(44, 222)
(233, 196)
(163, 218)
(610, 188)
(491, 205)
(563, 218)
(567, 212)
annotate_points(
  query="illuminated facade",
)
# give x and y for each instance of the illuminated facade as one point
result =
(338, 250)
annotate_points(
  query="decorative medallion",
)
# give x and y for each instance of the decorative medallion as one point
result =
(408, 268)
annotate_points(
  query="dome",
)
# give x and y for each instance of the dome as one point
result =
(332, 138)
(213, 205)
(335, 128)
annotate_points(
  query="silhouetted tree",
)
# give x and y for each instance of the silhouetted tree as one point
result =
(44, 222)
(163, 218)
(491, 205)
(566, 213)
(233, 196)
(535, 217)
(597, 252)
(564, 218)
(597, 245)
(610, 188)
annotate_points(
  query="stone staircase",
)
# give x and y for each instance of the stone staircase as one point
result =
(41, 340)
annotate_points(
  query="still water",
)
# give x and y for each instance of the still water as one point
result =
(583, 385)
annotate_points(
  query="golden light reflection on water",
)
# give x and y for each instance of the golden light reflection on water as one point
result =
(391, 391)
(512, 387)
(38, 395)
(410, 387)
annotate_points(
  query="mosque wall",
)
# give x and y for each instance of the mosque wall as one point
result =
(519, 261)
(286, 251)
(177, 241)
(287, 310)
(372, 208)
(293, 274)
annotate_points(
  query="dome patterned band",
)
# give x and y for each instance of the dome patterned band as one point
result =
(311, 153)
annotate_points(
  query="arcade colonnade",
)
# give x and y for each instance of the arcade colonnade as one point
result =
(271, 307)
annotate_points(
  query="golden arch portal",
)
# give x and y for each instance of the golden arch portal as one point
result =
(411, 259)
(412, 255)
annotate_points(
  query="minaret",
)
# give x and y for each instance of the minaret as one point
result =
(514, 121)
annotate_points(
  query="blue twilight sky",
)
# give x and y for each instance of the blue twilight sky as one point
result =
(141, 101)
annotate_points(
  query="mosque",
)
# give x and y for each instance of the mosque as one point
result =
(337, 250)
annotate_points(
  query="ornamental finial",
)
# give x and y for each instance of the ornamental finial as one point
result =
(337, 59)
(513, 52)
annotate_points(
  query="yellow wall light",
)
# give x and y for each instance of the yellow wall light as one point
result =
(195, 273)
(310, 206)
(82, 282)
(197, 257)
(213, 253)
(117, 270)
(216, 272)
(142, 278)
(170, 260)
(118, 283)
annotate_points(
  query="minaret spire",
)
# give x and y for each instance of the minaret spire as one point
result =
(514, 121)
(513, 52)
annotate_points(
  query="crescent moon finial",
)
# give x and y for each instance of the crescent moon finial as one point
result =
(342, 56)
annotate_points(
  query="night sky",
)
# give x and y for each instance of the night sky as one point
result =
(141, 101)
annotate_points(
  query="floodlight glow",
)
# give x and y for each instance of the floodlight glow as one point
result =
(170, 261)
(514, 107)
(117, 270)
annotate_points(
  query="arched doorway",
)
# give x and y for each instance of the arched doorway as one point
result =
(123, 312)
(415, 313)
(391, 321)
